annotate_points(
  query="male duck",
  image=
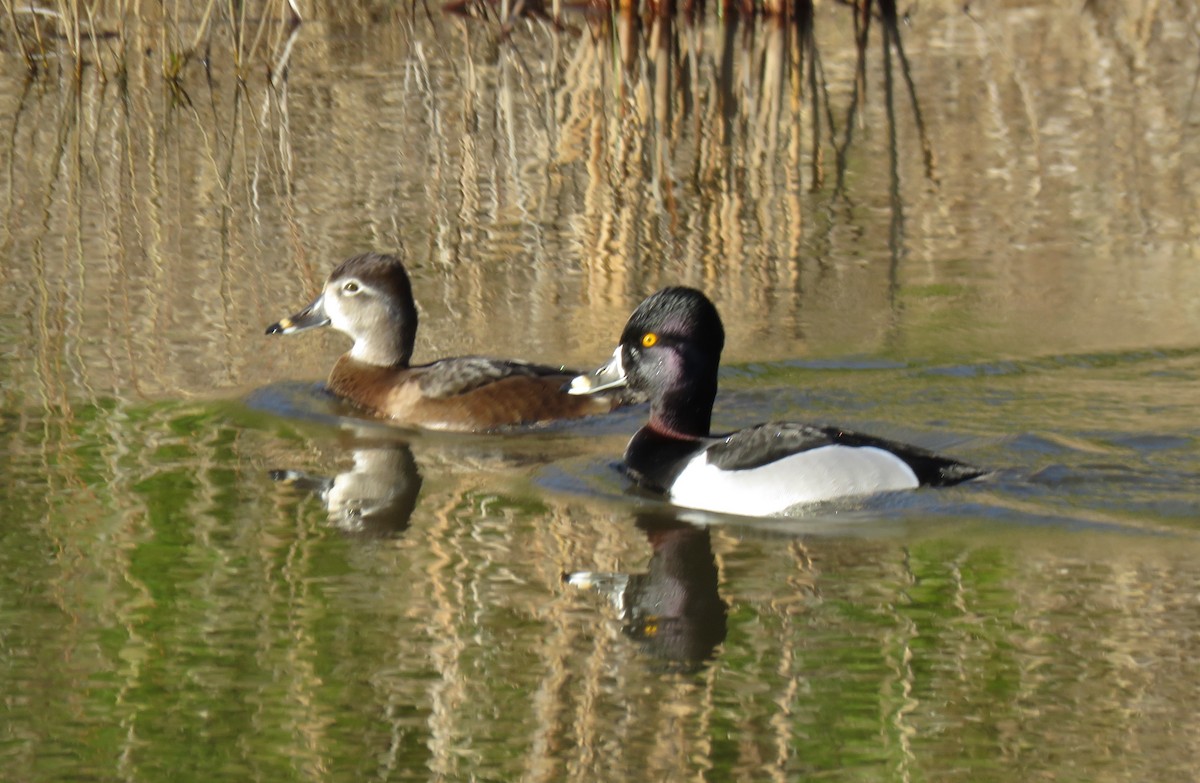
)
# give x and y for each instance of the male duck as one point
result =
(369, 298)
(670, 350)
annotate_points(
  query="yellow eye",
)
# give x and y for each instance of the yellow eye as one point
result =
(649, 339)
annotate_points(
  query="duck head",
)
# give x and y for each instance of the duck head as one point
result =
(369, 298)
(670, 351)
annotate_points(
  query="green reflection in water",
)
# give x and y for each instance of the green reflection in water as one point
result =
(205, 622)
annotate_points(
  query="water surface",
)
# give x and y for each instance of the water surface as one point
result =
(211, 571)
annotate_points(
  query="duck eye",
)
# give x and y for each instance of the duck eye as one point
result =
(649, 339)
(351, 288)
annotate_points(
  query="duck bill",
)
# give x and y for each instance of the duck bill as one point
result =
(309, 318)
(609, 376)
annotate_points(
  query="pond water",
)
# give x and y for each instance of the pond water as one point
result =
(986, 244)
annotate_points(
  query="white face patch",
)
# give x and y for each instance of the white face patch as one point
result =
(364, 320)
(821, 474)
(337, 314)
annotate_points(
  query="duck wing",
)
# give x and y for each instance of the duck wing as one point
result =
(451, 377)
(766, 443)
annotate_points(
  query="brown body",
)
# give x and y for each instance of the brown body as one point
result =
(396, 393)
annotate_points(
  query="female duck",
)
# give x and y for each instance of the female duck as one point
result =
(670, 350)
(369, 298)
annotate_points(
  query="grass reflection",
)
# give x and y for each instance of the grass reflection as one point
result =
(187, 596)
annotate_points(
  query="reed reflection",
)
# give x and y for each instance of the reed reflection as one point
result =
(674, 609)
(736, 142)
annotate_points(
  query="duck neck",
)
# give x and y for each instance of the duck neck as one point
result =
(381, 353)
(387, 348)
(685, 412)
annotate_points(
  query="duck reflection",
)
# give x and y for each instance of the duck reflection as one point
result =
(375, 498)
(674, 609)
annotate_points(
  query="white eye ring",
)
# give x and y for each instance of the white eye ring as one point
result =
(351, 287)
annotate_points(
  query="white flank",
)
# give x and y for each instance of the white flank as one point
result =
(824, 473)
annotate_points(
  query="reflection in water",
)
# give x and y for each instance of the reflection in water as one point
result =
(540, 188)
(674, 608)
(374, 498)
(160, 598)
(67, 38)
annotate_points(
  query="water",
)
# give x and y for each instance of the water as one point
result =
(212, 571)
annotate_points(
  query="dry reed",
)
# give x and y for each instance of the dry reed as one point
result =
(73, 35)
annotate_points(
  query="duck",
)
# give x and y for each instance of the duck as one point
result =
(670, 351)
(369, 298)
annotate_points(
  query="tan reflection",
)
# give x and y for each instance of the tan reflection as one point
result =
(1032, 201)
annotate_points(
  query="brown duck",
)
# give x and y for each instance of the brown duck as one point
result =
(369, 298)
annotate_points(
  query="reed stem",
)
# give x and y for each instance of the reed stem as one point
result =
(26, 55)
